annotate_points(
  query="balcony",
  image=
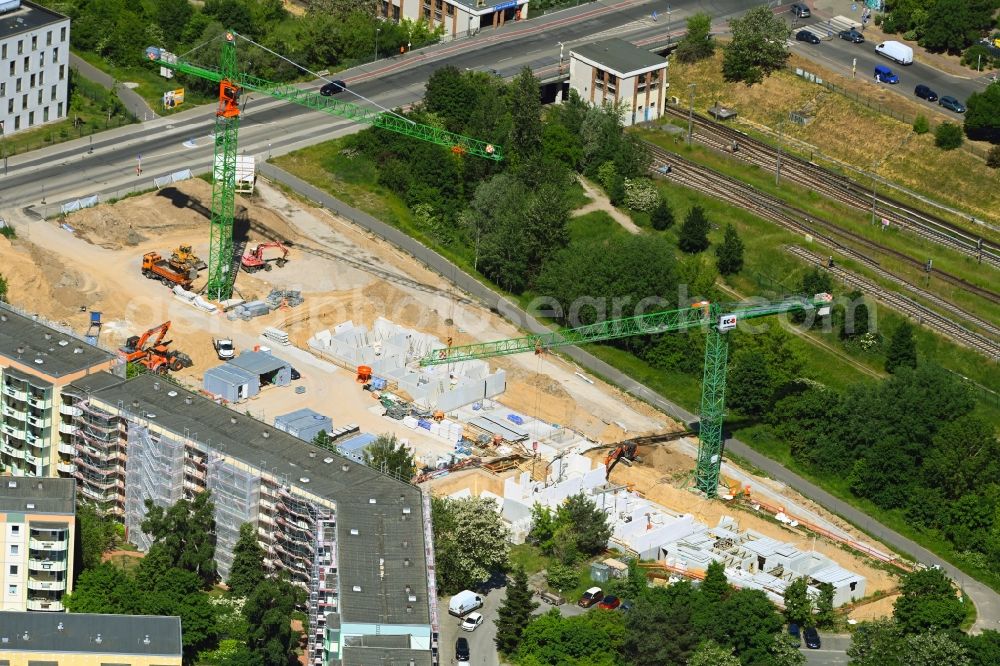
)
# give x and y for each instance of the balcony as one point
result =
(47, 585)
(66, 468)
(14, 413)
(11, 451)
(37, 544)
(45, 605)
(70, 410)
(67, 428)
(67, 449)
(40, 403)
(10, 430)
(15, 393)
(39, 421)
(47, 565)
(31, 460)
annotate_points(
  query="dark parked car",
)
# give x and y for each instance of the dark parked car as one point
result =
(952, 104)
(924, 92)
(806, 36)
(590, 597)
(800, 10)
(812, 638)
(610, 603)
(332, 88)
(462, 649)
(852, 35)
(795, 636)
(295, 374)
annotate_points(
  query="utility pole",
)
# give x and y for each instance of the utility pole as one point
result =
(691, 111)
(777, 163)
(377, 30)
(874, 184)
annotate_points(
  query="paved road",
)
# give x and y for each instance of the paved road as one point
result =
(482, 649)
(135, 104)
(832, 652)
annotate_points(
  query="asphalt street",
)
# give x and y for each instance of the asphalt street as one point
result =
(832, 651)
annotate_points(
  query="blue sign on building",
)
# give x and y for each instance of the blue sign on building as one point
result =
(505, 5)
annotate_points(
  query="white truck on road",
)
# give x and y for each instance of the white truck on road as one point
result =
(897, 51)
(224, 348)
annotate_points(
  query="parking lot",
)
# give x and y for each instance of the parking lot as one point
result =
(833, 650)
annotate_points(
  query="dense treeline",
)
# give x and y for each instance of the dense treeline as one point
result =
(940, 25)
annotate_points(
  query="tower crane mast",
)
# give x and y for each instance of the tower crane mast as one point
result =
(719, 318)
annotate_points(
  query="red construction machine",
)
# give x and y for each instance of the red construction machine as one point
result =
(255, 260)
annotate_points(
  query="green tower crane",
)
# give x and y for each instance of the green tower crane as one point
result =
(718, 318)
(232, 82)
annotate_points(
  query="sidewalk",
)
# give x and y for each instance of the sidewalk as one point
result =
(135, 104)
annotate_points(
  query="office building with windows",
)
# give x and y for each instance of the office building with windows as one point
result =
(615, 72)
(34, 66)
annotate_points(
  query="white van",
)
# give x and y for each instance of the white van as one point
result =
(464, 602)
(897, 51)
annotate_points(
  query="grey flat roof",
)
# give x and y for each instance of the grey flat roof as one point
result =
(32, 17)
(300, 418)
(120, 634)
(55, 496)
(372, 656)
(373, 558)
(231, 374)
(258, 362)
(23, 339)
(94, 382)
(618, 55)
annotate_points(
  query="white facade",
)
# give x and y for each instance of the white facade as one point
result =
(34, 66)
(616, 72)
(458, 18)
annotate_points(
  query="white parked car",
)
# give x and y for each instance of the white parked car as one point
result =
(471, 621)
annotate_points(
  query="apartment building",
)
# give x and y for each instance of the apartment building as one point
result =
(86, 639)
(455, 17)
(34, 65)
(357, 540)
(37, 362)
(37, 532)
(614, 71)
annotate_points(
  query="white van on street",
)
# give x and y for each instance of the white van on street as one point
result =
(897, 51)
(464, 602)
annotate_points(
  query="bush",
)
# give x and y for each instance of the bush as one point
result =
(921, 125)
(948, 136)
(561, 577)
(976, 55)
(993, 158)
(640, 194)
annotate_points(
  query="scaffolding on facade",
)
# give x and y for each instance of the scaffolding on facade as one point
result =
(155, 472)
(324, 586)
(236, 494)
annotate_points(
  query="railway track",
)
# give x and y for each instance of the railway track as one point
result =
(745, 196)
(917, 311)
(840, 188)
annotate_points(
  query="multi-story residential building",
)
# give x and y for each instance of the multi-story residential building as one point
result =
(34, 65)
(37, 362)
(37, 532)
(86, 639)
(359, 541)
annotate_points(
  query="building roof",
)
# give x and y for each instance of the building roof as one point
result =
(92, 383)
(231, 374)
(152, 635)
(301, 418)
(38, 495)
(48, 351)
(373, 558)
(373, 656)
(25, 18)
(258, 362)
(619, 56)
(835, 575)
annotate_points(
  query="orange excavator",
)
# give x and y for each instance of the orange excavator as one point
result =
(627, 451)
(254, 260)
(156, 357)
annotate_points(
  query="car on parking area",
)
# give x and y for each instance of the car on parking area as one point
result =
(591, 597)
(884, 75)
(472, 622)
(332, 88)
(812, 638)
(610, 603)
(462, 650)
(924, 92)
(794, 634)
(852, 36)
(800, 10)
(952, 104)
(806, 36)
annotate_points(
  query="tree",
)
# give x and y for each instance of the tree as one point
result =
(928, 601)
(514, 613)
(588, 522)
(798, 605)
(748, 621)
(323, 441)
(921, 125)
(267, 612)
(783, 652)
(715, 587)
(877, 643)
(902, 349)
(97, 534)
(662, 216)
(470, 541)
(758, 47)
(660, 628)
(729, 255)
(559, 576)
(952, 25)
(247, 570)
(933, 648)
(172, 17)
(982, 115)
(185, 535)
(174, 591)
(948, 136)
(697, 43)
(391, 456)
(591, 639)
(711, 653)
(543, 527)
(526, 118)
(815, 281)
(983, 649)
(855, 321)
(751, 385)
(3, 289)
(694, 231)
(825, 615)
(104, 588)
(964, 452)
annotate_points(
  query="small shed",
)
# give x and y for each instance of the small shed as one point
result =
(233, 384)
(353, 447)
(304, 424)
(270, 369)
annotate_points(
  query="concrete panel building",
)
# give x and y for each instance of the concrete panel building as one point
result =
(456, 17)
(87, 639)
(37, 533)
(37, 363)
(357, 540)
(34, 65)
(614, 71)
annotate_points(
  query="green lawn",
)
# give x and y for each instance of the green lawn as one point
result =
(151, 85)
(533, 560)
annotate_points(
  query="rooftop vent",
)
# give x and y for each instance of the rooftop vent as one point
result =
(232, 419)
(3, 317)
(356, 588)
(406, 544)
(265, 434)
(312, 454)
(145, 641)
(406, 561)
(406, 510)
(150, 415)
(188, 400)
(172, 394)
(59, 627)
(20, 349)
(354, 531)
(30, 505)
(328, 460)
(12, 484)
(411, 597)
(48, 336)
(25, 636)
(409, 609)
(372, 500)
(39, 361)
(409, 589)
(304, 479)
(63, 343)
(98, 640)
(345, 467)
(135, 403)
(156, 386)
(77, 350)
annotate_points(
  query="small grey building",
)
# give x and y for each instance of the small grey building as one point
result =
(614, 71)
(231, 383)
(268, 368)
(304, 424)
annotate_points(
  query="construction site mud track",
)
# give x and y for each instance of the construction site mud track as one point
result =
(841, 188)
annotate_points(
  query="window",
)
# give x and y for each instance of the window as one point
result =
(41, 78)
(17, 85)
(34, 42)
(20, 46)
(62, 73)
(40, 96)
(48, 38)
(13, 570)
(55, 54)
(45, 114)
(14, 547)
(10, 105)
(33, 79)
(62, 34)
(12, 590)
(3, 52)
(14, 529)
(60, 110)
(52, 94)
(12, 68)
(3, 88)
(27, 63)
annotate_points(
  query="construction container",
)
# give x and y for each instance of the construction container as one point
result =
(600, 572)
(304, 424)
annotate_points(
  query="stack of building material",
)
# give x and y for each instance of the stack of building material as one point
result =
(279, 297)
(276, 335)
(251, 309)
